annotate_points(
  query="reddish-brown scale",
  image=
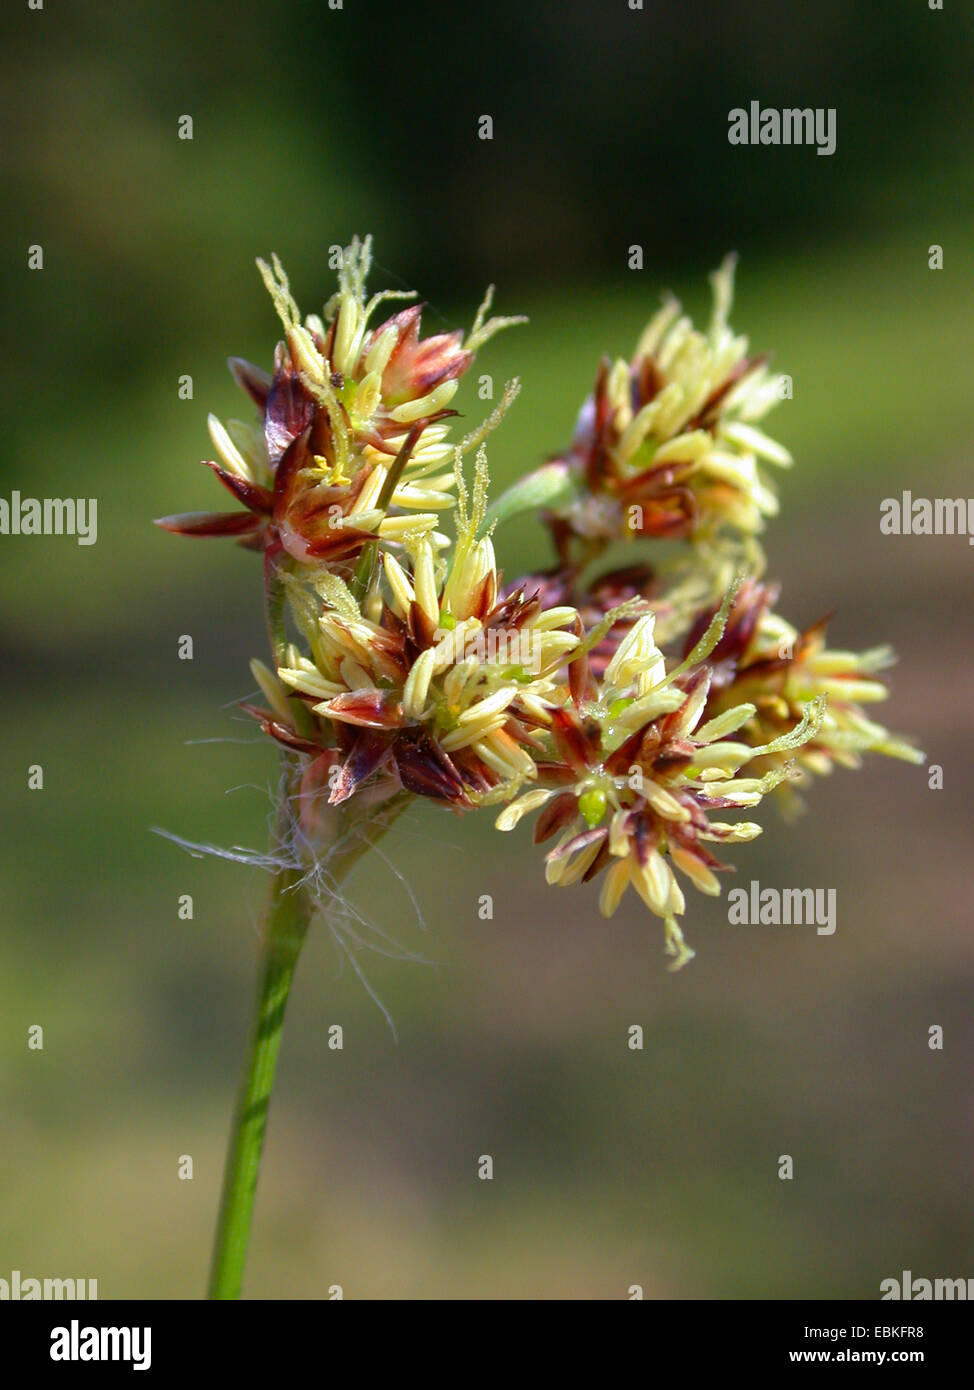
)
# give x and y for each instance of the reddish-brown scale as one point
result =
(368, 751)
(209, 523)
(290, 410)
(254, 380)
(576, 843)
(555, 816)
(252, 495)
(425, 769)
(372, 709)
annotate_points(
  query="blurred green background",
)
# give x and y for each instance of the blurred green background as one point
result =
(612, 1167)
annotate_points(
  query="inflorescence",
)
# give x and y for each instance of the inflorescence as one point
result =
(625, 708)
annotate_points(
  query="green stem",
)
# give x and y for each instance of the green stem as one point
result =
(285, 925)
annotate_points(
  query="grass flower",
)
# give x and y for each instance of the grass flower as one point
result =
(432, 679)
(667, 445)
(763, 660)
(627, 708)
(637, 774)
(348, 411)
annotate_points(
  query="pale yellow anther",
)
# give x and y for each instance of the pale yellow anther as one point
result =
(402, 590)
(663, 802)
(658, 325)
(368, 396)
(468, 734)
(755, 441)
(513, 813)
(272, 689)
(377, 357)
(651, 706)
(614, 885)
(346, 331)
(727, 723)
(306, 356)
(653, 881)
(453, 645)
(230, 456)
(618, 837)
(731, 834)
(425, 405)
(486, 709)
(506, 757)
(700, 875)
(693, 708)
(578, 864)
(454, 681)
(355, 676)
(554, 647)
(369, 493)
(637, 429)
(685, 448)
(674, 341)
(727, 756)
(636, 656)
(416, 689)
(310, 682)
(409, 495)
(394, 528)
(552, 618)
(424, 581)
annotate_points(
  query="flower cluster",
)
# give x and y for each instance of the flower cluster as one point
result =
(627, 707)
(764, 661)
(666, 445)
(434, 683)
(353, 432)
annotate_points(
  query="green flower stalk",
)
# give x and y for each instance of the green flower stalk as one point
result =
(626, 709)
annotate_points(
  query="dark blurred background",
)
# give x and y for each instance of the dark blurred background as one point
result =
(612, 1167)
